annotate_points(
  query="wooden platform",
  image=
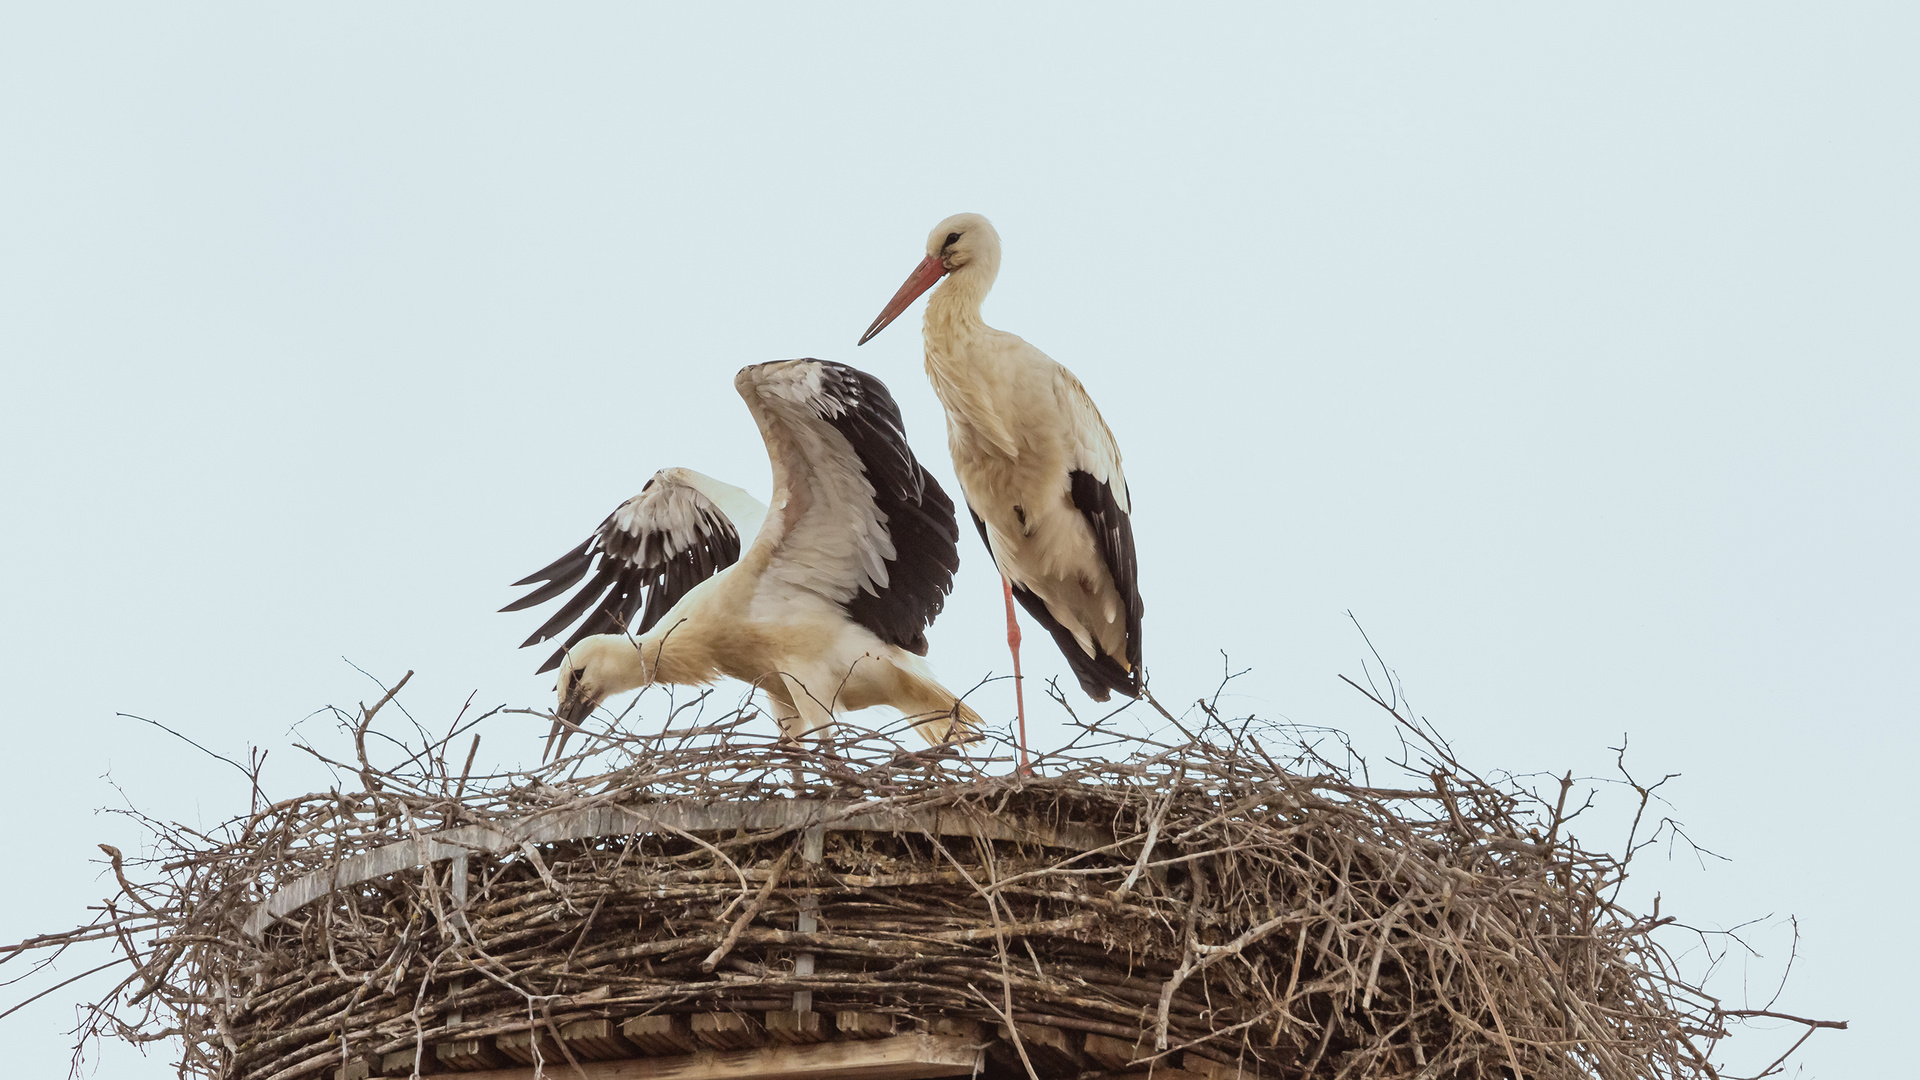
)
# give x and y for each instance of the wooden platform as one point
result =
(787, 1046)
(902, 1057)
(669, 817)
(748, 1038)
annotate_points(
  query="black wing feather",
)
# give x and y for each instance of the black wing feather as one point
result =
(919, 515)
(571, 566)
(1113, 535)
(559, 575)
(631, 571)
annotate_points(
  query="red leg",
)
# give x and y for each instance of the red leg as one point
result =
(1019, 698)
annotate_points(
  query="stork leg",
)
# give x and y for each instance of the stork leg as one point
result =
(1019, 698)
(792, 724)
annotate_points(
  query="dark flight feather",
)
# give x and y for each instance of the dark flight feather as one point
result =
(632, 574)
(919, 516)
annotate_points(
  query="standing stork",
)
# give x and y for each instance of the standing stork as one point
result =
(826, 609)
(1039, 469)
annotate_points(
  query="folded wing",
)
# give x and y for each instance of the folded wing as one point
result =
(1098, 488)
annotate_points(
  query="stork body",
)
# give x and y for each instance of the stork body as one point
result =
(825, 610)
(1040, 469)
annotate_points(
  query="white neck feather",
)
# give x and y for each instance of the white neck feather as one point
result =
(671, 652)
(966, 372)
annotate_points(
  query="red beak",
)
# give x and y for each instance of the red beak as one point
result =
(929, 271)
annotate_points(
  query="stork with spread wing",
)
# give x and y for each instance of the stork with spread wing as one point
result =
(823, 602)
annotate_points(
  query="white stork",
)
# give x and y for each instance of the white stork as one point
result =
(826, 610)
(1040, 471)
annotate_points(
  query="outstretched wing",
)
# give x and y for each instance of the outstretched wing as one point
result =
(651, 551)
(856, 518)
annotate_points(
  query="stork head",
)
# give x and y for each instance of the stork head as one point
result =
(965, 240)
(581, 686)
(964, 245)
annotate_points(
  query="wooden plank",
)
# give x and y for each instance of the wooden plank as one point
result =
(1051, 1049)
(597, 821)
(903, 1057)
(400, 1062)
(813, 848)
(1213, 1070)
(864, 1025)
(660, 1034)
(354, 1070)
(518, 1045)
(596, 1040)
(796, 1027)
(1111, 1053)
(728, 1030)
(955, 1028)
(464, 1054)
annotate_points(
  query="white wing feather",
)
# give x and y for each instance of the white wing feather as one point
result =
(823, 533)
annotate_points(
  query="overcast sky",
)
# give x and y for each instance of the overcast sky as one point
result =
(1573, 352)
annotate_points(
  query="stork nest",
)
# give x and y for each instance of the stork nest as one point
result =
(1238, 892)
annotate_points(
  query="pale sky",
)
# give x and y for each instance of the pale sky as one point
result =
(1574, 352)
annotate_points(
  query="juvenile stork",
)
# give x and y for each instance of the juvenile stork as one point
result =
(1039, 469)
(825, 610)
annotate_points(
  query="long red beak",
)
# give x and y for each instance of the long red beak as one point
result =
(929, 271)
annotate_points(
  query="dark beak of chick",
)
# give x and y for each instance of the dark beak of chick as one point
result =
(575, 706)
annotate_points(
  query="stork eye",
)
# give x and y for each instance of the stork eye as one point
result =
(951, 237)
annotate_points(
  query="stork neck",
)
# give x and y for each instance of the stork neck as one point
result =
(953, 311)
(676, 656)
(967, 373)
